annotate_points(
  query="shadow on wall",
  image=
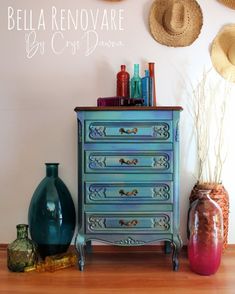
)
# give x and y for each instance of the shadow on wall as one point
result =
(146, 11)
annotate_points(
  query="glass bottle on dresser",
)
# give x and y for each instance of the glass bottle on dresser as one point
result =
(136, 91)
(123, 84)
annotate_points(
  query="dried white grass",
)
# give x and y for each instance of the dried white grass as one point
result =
(208, 110)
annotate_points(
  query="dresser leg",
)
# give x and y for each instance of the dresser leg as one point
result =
(80, 243)
(177, 244)
(81, 261)
(167, 247)
(88, 247)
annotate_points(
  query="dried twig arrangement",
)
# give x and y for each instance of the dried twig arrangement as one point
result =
(209, 108)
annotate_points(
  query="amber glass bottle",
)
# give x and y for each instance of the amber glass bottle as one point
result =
(153, 100)
(54, 262)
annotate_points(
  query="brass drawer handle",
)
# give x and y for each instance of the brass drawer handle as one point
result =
(128, 194)
(129, 224)
(128, 162)
(132, 131)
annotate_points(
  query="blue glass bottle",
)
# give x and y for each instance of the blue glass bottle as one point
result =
(51, 214)
(145, 88)
(136, 91)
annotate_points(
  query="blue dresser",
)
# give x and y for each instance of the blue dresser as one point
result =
(128, 177)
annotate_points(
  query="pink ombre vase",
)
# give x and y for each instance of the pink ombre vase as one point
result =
(205, 235)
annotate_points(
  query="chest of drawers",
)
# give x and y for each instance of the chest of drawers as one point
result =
(128, 177)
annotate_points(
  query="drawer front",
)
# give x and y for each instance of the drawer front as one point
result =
(120, 223)
(101, 131)
(139, 192)
(129, 162)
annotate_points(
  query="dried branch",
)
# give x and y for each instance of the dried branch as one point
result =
(209, 109)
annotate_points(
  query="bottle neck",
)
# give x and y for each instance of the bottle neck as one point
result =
(22, 231)
(136, 70)
(123, 68)
(151, 67)
(204, 194)
(52, 169)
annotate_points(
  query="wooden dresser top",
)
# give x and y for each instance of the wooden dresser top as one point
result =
(123, 108)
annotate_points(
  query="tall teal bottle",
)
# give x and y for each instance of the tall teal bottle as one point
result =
(145, 88)
(136, 91)
(51, 214)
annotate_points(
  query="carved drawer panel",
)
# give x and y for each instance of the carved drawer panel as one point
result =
(140, 192)
(160, 222)
(102, 131)
(129, 162)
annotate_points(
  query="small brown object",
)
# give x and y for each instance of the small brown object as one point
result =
(131, 223)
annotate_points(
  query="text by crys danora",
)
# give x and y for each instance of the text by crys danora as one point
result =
(87, 25)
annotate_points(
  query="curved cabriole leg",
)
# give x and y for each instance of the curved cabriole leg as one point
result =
(80, 243)
(88, 247)
(176, 244)
(167, 247)
(81, 261)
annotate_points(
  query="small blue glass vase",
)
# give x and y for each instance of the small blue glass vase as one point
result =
(51, 214)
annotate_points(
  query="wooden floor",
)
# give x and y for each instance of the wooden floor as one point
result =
(121, 273)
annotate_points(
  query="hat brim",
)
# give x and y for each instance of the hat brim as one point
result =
(186, 38)
(228, 3)
(219, 51)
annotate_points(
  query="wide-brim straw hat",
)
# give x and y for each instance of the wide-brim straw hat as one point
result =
(223, 52)
(229, 3)
(175, 23)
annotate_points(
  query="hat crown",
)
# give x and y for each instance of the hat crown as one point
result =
(175, 18)
(231, 54)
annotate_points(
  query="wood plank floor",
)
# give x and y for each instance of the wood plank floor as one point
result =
(122, 273)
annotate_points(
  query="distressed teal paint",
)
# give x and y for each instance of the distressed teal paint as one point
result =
(128, 177)
(135, 192)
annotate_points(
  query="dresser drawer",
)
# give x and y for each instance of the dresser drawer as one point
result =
(129, 162)
(129, 222)
(124, 131)
(136, 192)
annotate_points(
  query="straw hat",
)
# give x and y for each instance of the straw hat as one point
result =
(229, 3)
(175, 23)
(223, 52)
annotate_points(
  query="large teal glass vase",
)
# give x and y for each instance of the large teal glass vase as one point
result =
(51, 214)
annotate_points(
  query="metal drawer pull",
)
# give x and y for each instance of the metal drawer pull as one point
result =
(128, 162)
(133, 131)
(129, 224)
(128, 194)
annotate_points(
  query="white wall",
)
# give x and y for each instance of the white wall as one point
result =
(38, 95)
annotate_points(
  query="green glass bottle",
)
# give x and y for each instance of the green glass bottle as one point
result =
(51, 214)
(136, 91)
(22, 252)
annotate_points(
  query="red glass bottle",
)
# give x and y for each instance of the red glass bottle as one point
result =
(123, 83)
(205, 235)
